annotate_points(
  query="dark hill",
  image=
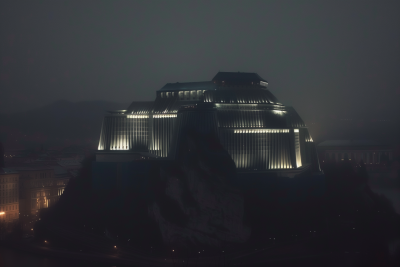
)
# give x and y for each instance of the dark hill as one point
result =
(58, 124)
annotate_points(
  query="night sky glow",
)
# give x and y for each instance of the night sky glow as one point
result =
(321, 57)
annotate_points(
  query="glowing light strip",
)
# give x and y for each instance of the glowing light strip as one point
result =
(137, 116)
(119, 148)
(279, 112)
(297, 148)
(165, 116)
(261, 131)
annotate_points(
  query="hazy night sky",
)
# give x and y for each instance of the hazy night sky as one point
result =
(319, 56)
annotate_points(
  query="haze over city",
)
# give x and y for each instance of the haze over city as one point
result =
(330, 57)
(199, 133)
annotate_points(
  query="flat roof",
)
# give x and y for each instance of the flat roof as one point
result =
(31, 168)
(349, 143)
(188, 86)
(238, 77)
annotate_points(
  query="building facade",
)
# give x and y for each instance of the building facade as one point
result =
(372, 153)
(259, 132)
(39, 188)
(9, 196)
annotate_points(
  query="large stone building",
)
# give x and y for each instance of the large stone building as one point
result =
(9, 196)
(258, 131)
(39, 187)
(36, 188)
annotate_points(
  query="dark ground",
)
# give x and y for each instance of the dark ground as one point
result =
(349, 224)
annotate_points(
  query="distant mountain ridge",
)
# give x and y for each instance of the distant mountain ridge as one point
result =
(57, 124)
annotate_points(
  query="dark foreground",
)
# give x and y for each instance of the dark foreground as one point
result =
(310, 251)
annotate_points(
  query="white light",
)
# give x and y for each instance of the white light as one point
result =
(279, 112)
(137, 116)
(261, 131)
(165, 116)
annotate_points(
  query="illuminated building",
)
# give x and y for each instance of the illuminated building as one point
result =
(39, 188)
(259, 132)
(9, 205)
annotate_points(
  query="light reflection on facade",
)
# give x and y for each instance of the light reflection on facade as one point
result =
(40, 188)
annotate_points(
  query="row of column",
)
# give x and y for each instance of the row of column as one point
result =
(124, 133)
(163, 129)
(368, 157)
(258, 150)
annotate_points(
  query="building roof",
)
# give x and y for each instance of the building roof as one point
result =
(69, 162)
(140, 107)
(4, 171)
(350, 143)
(238, 77)
(240, 96)
(187, 86)
(119, 111)
(58, 170)
(31, 168)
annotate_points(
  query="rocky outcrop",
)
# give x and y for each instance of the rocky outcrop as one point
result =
(195, 201)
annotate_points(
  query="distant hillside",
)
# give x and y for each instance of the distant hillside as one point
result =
(356, 129)
(56, 125)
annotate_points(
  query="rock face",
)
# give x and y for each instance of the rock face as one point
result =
(195, 202)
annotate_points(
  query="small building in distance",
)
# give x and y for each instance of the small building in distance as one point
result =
(374, 154)
(39, 187)
(9, 195)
